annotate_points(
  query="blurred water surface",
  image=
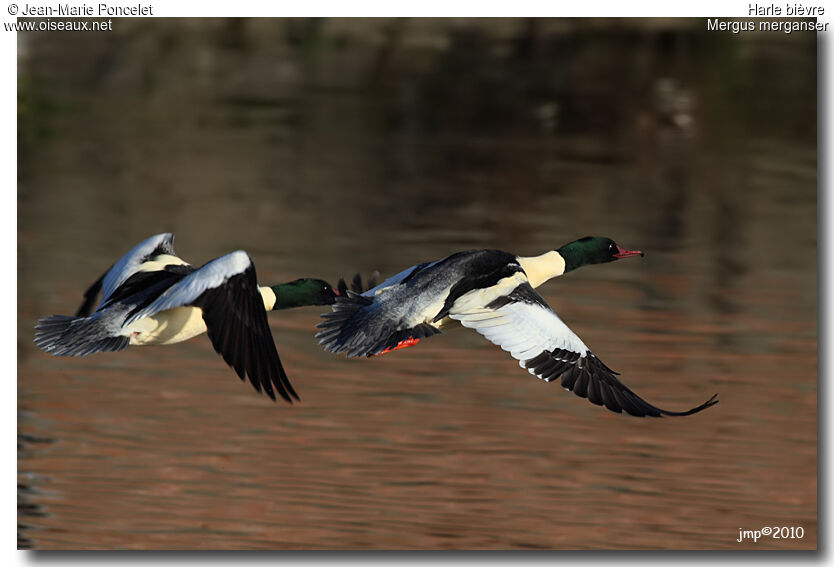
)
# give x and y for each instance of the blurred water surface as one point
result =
(326, 147)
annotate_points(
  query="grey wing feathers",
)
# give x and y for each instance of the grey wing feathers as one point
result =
(344, 328)
(357, 327)
(61, 335)
(397, 278)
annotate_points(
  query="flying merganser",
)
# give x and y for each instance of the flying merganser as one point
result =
(152, 297)
(492, 292)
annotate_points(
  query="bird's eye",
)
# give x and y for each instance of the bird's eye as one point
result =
(612, 247)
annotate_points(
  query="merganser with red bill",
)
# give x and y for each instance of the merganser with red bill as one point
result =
(492, 292)
(152, 297)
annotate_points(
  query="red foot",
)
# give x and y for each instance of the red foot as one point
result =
(410, 341)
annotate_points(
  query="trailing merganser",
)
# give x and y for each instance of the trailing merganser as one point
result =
(492, 292)
(152, 297)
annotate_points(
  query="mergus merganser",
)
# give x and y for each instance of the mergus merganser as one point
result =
(492, 292)
(152, 297)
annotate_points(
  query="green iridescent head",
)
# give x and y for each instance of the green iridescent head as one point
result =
(593, 250)
(303, 292)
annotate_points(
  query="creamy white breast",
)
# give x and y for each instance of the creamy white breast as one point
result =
(167, 327)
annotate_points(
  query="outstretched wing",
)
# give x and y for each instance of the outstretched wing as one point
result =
(226, 289)
(121, 271)
(523, 324)
(130, 262)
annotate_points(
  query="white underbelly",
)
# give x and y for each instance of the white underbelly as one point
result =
(167, 327)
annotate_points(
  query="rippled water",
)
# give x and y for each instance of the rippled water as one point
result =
(329, 147)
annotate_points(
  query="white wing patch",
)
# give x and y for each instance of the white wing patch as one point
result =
(523, 329)
(130, 262)
(521, 323)
(212, 275)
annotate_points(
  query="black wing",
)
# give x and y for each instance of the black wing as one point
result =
(90, 296)
(239, 330)
(588, 377)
